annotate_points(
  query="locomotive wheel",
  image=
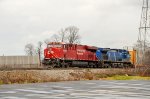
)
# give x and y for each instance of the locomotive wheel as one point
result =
(126, 66)
(68, 65)
(51, 66)
(63, 64)
(91, 65)
(106, 65)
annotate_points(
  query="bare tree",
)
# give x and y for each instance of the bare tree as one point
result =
(39, 50)
(73, 36)
(29, 49)
(69, 34)
(62, 35)
(142, 49)
(55, 38)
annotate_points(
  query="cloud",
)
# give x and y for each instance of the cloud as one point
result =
(101, 22)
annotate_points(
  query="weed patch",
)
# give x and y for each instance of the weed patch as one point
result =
(117, 77)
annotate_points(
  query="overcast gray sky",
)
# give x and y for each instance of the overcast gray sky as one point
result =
(103, 23)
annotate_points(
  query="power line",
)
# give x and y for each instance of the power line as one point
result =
(144, 31)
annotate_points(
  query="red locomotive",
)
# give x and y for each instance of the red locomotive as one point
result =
(63, 55)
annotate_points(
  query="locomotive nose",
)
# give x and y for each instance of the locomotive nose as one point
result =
(50, 52)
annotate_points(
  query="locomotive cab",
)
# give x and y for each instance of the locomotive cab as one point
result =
(53, 50)
(52, 53)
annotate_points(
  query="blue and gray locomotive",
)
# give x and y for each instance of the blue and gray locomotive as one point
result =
(113, 57)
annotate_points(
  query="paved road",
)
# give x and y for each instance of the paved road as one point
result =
(78, 90)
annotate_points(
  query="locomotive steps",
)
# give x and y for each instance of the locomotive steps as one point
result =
(55, 75)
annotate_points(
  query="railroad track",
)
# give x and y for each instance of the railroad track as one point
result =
(71, 68)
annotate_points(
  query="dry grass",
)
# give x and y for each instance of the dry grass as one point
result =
(92, 75)
(38, 76)
(22, 76)
(123, 74)
(143, 71)
(82, 75)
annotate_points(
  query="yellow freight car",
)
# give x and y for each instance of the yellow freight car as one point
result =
(132, 56)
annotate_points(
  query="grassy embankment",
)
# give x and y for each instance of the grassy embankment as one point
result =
(116, 74)
(37, 76)
(118, 77)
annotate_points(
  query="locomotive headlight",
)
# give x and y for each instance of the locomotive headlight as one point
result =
(48, 52)
(52, 52)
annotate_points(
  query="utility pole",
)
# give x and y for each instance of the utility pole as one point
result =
(144, 32)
